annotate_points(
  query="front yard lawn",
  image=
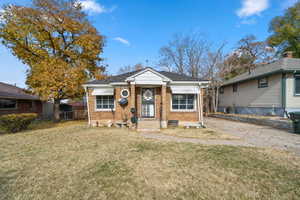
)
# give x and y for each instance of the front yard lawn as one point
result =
(72, 161)
(197, 133)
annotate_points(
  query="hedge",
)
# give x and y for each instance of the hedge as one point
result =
(17, 122)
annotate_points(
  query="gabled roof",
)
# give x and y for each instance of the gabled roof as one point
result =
(122, 77)
(180, 77)
(152, 71)
(279, 66)
(13, 92)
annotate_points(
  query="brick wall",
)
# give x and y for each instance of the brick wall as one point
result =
(121, 113)
(103, 117)
(181, 116)
(25, 106)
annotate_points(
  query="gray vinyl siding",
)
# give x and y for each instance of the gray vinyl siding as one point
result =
(249, 95)
(292, 101)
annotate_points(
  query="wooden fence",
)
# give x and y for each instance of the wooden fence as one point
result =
(74, 115)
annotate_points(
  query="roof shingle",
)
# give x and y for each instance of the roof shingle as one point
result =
(284, 64)
(122, 77)
(13, 92)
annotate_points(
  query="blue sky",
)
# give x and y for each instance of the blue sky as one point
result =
(136, 29)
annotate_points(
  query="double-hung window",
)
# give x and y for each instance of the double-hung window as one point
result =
(105, 102)
(297, 84)
(183, 102)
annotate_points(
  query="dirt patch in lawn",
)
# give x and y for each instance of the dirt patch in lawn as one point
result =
(197, 133)
(77, 162)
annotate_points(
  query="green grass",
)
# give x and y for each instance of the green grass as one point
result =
(72, 161)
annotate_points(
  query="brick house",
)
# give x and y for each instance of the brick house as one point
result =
(146, 95)
(15, 100)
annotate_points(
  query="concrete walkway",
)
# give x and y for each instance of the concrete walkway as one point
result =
(249, 134)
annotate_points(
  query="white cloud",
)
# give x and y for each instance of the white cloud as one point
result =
(252, 7)
(93, 7)
(122, 40)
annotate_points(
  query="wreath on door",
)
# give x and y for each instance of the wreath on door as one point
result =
(148, 95)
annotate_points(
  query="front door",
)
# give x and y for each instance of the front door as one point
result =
(148, 103)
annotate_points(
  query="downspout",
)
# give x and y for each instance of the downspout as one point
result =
(283, 93)
(88, 106)
(200, 106)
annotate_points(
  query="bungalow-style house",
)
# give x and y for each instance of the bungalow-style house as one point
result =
(269, 89)
(149, 97)
(15, 100)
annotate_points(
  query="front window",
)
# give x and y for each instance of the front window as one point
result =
(297, 84)
(262, 83)
(105, 102)
(8, 104)
(183, 102)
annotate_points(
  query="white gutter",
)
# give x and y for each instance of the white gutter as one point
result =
(96, 85)
(88, 106)
(119, 83)
(189, 82)
(200, 103)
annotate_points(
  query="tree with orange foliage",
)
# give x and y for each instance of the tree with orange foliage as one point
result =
(57, 42)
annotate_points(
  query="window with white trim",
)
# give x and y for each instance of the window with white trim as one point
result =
(105, 102)
(183, 102)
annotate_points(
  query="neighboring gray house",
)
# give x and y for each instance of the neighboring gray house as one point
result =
(269, 89)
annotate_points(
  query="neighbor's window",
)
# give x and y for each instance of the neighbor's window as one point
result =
(8, 104)
(105, 102)
(235, 87)
(263, 82)
(221, 89)
(183, 101)
(297, 84)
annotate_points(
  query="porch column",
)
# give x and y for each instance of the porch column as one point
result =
(132, 103)
(164, 106)
(132, 94)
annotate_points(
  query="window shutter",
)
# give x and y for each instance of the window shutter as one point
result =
(297, 85)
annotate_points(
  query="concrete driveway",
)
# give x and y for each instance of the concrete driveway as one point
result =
(256, 135)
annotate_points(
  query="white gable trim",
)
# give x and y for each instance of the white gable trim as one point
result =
(164, 78)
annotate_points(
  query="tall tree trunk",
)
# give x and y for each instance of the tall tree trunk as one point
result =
(213, 100)
(216, 100)
(56, 110)
(207, 102)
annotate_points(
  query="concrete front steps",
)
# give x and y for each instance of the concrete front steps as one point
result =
(148, 125)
